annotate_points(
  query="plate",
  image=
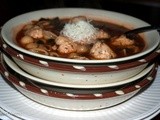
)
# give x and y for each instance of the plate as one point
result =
(16, 68)
(141, 106)
(77, 99)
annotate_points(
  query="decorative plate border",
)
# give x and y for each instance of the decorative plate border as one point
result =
(33, 88)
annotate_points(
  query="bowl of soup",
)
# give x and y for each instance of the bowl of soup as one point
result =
(74, 45)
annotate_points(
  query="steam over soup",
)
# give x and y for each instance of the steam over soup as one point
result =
(78, 38)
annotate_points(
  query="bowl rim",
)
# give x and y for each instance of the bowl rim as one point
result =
(78, 67)
(108, 94)
(6, 25)
(15, 68)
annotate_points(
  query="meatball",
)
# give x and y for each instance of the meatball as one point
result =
(122, 41)
(102, 35)
(35, 32)
(65, 45)
(101, 50)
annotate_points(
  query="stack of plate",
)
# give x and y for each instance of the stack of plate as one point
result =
(77, 84)
(74, 97)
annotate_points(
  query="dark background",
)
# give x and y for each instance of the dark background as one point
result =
(147, 10)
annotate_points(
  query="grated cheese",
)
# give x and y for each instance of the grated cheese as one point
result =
(81, 31)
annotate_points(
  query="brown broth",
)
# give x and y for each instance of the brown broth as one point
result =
(112, 29)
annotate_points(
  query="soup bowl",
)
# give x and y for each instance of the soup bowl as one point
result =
(86, 76)
(75, 71)
(76, 99)
(63, 84)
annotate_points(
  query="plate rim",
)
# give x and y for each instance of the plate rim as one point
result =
(10, 62)
(150, 112)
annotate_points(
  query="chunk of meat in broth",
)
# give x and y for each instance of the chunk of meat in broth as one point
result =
(35, 39)
(65, 46)
(122, 41)
(35, 32)
(49, 35)
(101, 50)
(102, 35)
(125, 45)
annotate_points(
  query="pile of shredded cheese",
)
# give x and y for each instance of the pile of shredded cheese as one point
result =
(81, 31)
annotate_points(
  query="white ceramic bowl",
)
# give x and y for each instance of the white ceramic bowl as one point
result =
(85, 85)
(78, 72)
(79, 75)
(11, 27)
(71, 100)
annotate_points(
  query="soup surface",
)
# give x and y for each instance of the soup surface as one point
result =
(78, 38)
